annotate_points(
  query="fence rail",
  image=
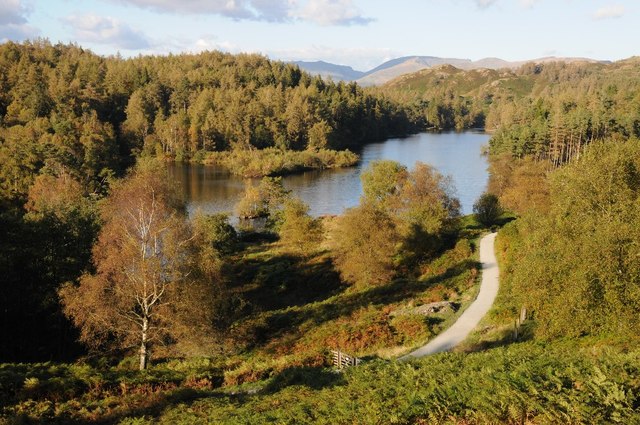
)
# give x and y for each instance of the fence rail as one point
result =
(342, 360)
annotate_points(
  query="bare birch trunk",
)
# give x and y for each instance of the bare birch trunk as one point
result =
(143, 344)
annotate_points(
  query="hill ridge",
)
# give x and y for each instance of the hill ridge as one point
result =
(403, 65)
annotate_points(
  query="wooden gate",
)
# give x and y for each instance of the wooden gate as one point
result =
(342, 360)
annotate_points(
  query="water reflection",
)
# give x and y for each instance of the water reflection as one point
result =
(331, 191)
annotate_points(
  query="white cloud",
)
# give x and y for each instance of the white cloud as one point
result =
(273, 11)
(323, 12)
(483, 4)
(260, 10)
(611, 11)
(209, 42)
(528, 4)
(12, 12)
(13, 21)
(178, 45)
(332, 12)
(106, 30)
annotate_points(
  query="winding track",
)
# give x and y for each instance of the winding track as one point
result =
(474, 313)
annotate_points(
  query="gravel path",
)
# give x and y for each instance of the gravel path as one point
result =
(476, 311)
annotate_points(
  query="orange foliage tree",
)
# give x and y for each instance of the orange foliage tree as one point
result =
(142, 261)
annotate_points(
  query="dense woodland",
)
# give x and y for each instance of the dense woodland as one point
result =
(63, 107)
(576, 265)
(545, 111)
(71, 121)
(102, 267)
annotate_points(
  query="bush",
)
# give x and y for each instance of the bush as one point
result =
(487, 209)
(262, 200)
(215, 231)
(366, 240)
(299, 230)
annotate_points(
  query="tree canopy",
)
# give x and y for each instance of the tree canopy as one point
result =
(400, 220)
(143, 262)
(578, 266)
(63, 107)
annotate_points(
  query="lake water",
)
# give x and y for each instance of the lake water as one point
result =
(332, 191)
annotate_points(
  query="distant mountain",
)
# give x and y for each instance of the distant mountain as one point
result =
(330, 70)
(409, 64)
(406, 65)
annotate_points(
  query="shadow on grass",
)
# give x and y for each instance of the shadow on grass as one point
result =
(286, 280)
(502, 221)
(155, 409)
(151, 407)
(503, 338)
(469, 226)
(278, 323)
(310, 377)
(313, 378)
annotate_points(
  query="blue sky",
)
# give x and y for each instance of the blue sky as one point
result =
(358, 33)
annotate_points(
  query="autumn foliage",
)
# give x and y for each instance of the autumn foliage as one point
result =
(142, 267)
(399, 221)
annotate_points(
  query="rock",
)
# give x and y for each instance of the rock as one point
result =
(426, 309)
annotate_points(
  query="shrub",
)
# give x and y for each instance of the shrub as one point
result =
(298, 229)
(366, 242)
(277, 162)
(487, 209)
(215, 231)
(262, 200)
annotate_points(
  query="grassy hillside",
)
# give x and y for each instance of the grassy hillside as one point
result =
(287, 311)
(296, 307)
(564, 382)
(506, 84)
(446, 77)
(524, 383)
